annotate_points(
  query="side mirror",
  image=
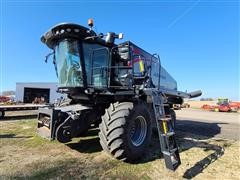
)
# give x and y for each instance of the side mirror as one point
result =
(120, 36)
(110, 37)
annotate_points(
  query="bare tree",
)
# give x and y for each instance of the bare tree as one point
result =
(8, 93)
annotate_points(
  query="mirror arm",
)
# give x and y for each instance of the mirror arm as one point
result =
(101, 35)
(48, 55)
(54, 57)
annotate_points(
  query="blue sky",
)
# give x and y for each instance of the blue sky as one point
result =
(198, 40)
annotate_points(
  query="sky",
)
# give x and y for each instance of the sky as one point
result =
(197, 40)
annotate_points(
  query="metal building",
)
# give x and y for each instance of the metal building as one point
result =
(26, 92)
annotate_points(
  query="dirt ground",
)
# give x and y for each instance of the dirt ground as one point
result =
(23, 154)
(199, 104)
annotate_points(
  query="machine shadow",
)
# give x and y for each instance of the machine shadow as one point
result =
(202, 129)
(89, 143)
(196, 134)
(189, 134)
(206, 161)
(2, 136)
(20, 117)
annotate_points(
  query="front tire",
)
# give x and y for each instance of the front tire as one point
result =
(125, 130)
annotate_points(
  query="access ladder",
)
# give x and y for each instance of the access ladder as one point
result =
(166, 132)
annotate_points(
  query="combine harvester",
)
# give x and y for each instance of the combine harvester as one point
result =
(119, 87)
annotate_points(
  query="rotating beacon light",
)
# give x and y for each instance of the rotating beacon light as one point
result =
(90, 23)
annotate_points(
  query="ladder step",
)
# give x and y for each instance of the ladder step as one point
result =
(161, 104)
(169, 134)
(172, 160)
(165, 119)
(167, 140)
(172, 151)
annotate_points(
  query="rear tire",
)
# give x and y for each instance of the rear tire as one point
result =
(125, 130)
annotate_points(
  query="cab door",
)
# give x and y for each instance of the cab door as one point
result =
(99, 67)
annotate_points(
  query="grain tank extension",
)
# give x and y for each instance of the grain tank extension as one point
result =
(119, 87)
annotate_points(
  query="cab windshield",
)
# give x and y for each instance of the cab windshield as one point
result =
(67, 64)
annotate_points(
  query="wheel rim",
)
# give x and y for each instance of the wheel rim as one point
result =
(138, 131)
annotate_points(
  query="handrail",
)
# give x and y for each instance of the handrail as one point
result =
(160, 67)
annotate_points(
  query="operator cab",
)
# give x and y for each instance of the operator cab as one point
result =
(86, 63)
(83, 60)
(74, 55)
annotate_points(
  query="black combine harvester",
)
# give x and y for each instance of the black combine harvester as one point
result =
(119, 87)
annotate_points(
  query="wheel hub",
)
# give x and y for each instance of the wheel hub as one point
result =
(138, 131)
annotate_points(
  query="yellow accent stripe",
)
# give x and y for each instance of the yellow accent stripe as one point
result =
(141, 66)
(165, 128)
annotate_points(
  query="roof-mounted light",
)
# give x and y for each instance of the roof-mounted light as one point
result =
(90, 23)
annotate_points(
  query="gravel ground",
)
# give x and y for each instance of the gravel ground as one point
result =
(210, 124)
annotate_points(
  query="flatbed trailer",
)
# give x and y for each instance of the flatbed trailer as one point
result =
(20, 107)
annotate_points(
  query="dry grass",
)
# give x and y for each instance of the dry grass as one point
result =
(25, 155)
